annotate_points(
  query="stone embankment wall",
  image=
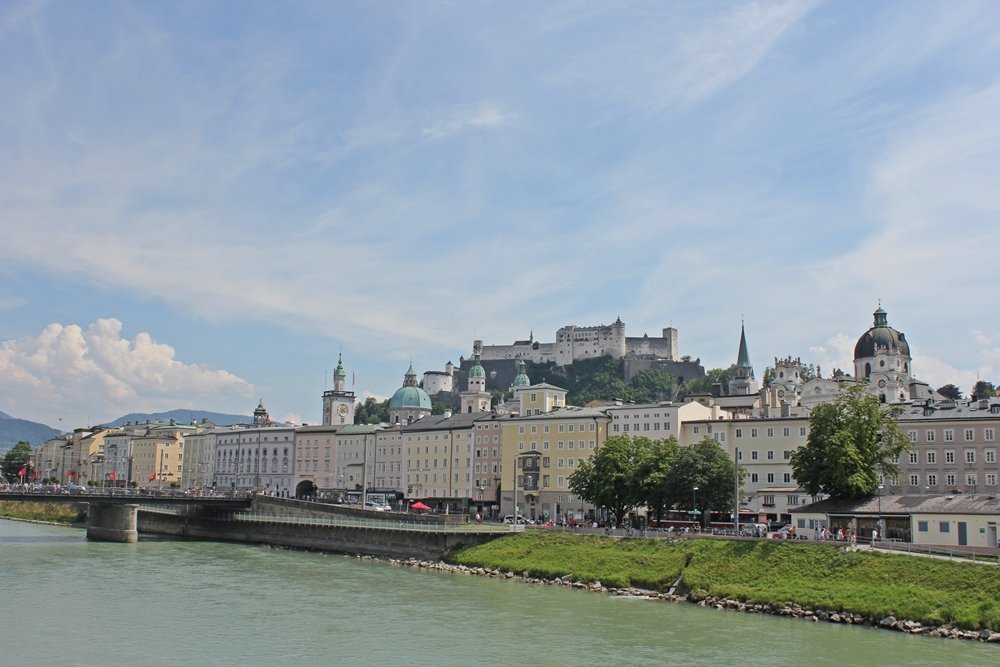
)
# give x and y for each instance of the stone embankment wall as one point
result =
(385, 542)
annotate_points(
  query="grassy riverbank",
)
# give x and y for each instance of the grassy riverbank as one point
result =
(50, 512)
(927, 590)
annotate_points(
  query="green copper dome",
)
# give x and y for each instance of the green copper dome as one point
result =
(410, 397)
(477, 371)
(522, 377)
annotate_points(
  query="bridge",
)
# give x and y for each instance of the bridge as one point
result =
(115, 517)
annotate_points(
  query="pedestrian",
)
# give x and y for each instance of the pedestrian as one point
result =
(874, 536)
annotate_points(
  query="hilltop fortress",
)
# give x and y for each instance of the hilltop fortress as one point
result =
(575, 343)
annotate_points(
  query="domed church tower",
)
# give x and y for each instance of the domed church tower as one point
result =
(476, 398)
(882, 360)
(410, 402)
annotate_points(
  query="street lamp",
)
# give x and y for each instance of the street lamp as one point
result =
(878, 524)
(694, 504)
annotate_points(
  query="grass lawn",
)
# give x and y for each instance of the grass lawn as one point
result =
(928, 590)
(56, 513)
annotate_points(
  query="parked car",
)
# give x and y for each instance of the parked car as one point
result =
(76, 488)
(376, 507)
(509, 519)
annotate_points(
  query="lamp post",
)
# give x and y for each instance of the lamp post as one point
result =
(694, 504)
(878, 524)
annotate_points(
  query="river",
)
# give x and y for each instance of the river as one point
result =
(67, 601)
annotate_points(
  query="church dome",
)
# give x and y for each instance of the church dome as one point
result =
(881, 336)
(522, 378)
(410, 397)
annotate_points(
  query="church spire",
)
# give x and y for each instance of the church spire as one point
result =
(743, 356)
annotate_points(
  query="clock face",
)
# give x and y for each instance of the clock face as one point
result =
(342, 409)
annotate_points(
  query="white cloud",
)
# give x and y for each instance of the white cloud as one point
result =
(836, 352)
(483, 116)
(66, 371)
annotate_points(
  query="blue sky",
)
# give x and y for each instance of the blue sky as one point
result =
(202, 204)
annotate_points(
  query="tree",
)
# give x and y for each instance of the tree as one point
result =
(707, 466)
(14, 460)
(656, 459)
(851, 440)
(950, 391)
(609, 477)
(372, 411)
(649, 386)
(703, 385)
(983, 390)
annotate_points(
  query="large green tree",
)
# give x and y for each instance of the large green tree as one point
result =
(704, 465)
(656, 459)
(851, 441)
(983, 389)
(609, 478)
(372, 411)
(15, 459)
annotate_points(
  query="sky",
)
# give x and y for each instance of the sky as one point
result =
(204, 204)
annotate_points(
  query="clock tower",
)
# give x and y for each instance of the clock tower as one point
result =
(338, 404)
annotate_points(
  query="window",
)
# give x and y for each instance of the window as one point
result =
(788, 478)
(914, 480)
(739, 433)
(787, 454)
(931, 479)
(785, 432)
(949, 435)
(912, 435)
(949, 456)
(991, 455)
(753, 455)
(753, 433)
(697, 429)
(767, 501)
(770, 432)
(969, 435)
(950, 479)
(921, 526)
(770, 455)
(770, 478)
(931, 457)
(753, 478)
(930, 436)
(792, 500)
(991, 479)
(971, 479)
(944, 527)
(802, 431)
(914, 457)
(988, 435)
(970, 456)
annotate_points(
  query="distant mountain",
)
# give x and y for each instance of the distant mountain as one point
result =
(13, 430)
(180, 417)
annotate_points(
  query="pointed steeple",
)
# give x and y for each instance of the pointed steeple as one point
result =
(743, 357)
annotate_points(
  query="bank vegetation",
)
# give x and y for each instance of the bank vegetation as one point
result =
(775, 573)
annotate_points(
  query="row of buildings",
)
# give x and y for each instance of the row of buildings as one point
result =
(491, 458)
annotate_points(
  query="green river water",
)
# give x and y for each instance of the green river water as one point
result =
(67, 601)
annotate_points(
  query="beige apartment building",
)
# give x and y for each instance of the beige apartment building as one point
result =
(540, 452)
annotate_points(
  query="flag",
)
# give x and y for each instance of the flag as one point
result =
(69, 474)
(23, 471)
(112, 475)
(34, 475)
(152, 478)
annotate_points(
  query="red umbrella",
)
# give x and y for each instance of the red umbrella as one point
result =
(419, 506)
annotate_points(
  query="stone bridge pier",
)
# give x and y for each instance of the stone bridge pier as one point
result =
(112, 523)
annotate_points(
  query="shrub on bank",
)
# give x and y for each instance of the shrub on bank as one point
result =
(814, 576)
(55, 513)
